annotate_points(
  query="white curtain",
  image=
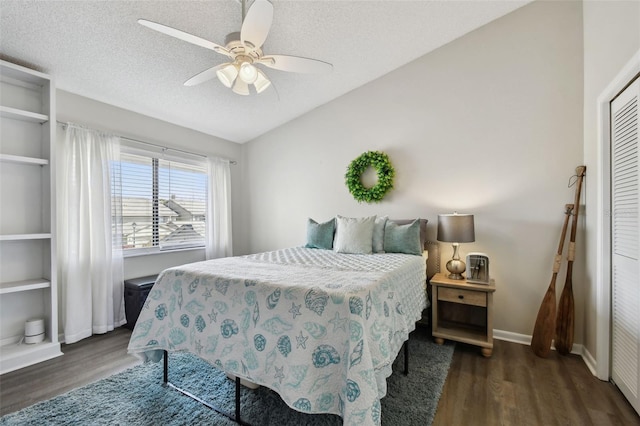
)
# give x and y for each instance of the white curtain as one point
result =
(90, 261)
(219, 241)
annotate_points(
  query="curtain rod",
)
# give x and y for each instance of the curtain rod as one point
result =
(234, 162)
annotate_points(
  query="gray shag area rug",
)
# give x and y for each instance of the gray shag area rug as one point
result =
(137, 397)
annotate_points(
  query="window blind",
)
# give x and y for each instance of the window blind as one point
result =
(162, 201)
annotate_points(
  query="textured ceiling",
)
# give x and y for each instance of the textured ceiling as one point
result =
(98, 50)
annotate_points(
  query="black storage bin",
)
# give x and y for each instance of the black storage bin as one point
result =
(136, 291)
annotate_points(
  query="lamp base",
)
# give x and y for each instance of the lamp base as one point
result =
(456, 267)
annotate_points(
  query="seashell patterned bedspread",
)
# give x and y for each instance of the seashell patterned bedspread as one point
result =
(320, 328)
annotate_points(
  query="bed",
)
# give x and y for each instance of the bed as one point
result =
(318, 327)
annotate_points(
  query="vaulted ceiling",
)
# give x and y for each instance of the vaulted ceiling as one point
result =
(98, 50)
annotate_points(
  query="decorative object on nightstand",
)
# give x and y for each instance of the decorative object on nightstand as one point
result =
(456, 228)
(463, 312)
(478, 268)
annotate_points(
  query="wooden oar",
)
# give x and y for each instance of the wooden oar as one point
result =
(545, 325)
(566, 312)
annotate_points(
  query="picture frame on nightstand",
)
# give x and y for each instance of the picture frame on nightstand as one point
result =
(478, 268)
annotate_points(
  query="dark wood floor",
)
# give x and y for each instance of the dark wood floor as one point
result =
(84, 362)
(513, 387)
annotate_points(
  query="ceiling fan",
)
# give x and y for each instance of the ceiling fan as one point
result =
(245, 52)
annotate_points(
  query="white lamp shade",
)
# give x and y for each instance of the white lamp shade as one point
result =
(262, 82)
(227, 74)
(240, 87)
(248, 73)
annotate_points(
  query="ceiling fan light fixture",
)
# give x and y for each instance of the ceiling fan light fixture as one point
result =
(244, 48)
(227, 74)
(262, 82)
(241, 88)
(248, 73)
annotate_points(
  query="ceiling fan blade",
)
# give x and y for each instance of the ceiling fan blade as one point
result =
(296, 64)
(240, 87)
(189, 38)
(256, 24)
(205, 75)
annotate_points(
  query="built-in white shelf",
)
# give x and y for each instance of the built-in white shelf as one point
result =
(18, 73)
(19, 114)
(21, 237)
(28, 241)
(25, 285)
(19, 159)
(18, 355)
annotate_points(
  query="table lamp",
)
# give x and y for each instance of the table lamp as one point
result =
(456, 228)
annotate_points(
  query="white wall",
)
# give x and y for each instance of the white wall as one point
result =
(101, 116)
(611, 38)
(489, 124)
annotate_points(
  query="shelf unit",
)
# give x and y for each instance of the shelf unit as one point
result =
(19, 159)
(28, 286)
(17, 114)
(18, 237)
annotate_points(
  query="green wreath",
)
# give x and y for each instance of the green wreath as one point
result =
(379, 161)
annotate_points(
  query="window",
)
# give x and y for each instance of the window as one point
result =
(158, 203)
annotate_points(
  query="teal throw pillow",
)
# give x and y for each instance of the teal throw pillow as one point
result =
(320, 235)
(402, 238)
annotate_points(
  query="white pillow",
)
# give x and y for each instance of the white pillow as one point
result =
(354, 235)
(378, 234)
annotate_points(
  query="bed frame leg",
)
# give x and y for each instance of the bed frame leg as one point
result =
(236, 418)
(238, 400)
(165, 376)
(406, 358)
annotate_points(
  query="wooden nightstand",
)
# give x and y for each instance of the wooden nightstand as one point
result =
(462, 312)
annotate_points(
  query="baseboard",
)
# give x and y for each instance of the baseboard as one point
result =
(525, 339)
(508, 336)
(590, 361)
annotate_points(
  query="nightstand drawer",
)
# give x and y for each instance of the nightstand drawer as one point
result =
(467, 297)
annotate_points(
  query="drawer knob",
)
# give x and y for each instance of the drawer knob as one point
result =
(460, 297)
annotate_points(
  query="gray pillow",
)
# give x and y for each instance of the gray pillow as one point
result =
(402, 238)
(320, 235)
(378, 234)
(354, 235)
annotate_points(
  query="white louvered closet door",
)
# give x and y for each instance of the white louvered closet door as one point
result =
(625, 248)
